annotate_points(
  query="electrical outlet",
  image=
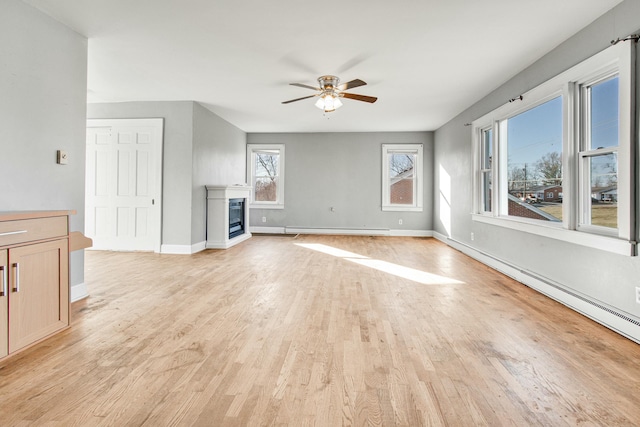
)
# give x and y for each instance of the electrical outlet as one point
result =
(399, 222)
(638, 295)
(473, 236)
(264, 219)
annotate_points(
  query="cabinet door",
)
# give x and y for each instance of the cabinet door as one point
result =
(39, 294)
(4, 303)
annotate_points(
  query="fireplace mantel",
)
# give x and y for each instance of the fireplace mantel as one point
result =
(218, 197)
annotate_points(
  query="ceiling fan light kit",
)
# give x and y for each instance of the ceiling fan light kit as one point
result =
(330, 92)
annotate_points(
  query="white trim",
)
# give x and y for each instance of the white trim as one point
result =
(358, 231)
(280, 184)
(418, 178)
(411, 233)
(183, 249)
(78, 292)
(553, 290)
(339, 231)
(267, 230)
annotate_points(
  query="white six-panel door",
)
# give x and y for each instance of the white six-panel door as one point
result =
(123, 185)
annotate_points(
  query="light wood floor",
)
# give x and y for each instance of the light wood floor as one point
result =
(319, 330)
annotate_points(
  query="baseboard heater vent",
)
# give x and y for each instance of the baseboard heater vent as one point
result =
(582, 298)
(514, 271)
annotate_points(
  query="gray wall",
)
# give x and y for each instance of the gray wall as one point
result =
(219, 158)
(604, 276)
(343, 171)
(199, 148)
(43, 86)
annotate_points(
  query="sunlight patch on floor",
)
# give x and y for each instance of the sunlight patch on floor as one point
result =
(412, 274)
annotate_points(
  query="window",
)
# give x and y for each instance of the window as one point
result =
(402, 177)
(265, 174)
(599, 155)
(557, 162)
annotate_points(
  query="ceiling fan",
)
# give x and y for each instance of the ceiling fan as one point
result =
(330, 92)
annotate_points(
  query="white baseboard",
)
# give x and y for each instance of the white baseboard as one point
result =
(338, 231)
(610, 317)
(345, 231)
(267, 230)
(411, 233)
(78, 292)
(183, 249)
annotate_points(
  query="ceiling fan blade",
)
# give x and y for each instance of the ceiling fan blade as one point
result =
(351, 84)
(364, 98)
(305, 86)
(299, 99)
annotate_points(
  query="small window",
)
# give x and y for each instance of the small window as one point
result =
(402, 177)
(265, 169)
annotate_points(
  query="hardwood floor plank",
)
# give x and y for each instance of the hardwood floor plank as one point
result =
(319, 330)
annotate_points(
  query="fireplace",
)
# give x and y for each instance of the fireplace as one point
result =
(236, 217)
(227, 215)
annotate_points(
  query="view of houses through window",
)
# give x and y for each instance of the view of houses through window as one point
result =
(534, 162)
(600, 152)
(401, 176)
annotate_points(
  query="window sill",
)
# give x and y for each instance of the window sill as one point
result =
(265, 206)
(605, 243)
(401, 209)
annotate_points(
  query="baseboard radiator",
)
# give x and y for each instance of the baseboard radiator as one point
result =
(610, 317)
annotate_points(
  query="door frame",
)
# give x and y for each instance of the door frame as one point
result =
(158, 124)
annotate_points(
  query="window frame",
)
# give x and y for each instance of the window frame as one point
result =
(615, 60)
(252, 150)
(418, 186)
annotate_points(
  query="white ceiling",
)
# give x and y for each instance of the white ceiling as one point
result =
(426, 60)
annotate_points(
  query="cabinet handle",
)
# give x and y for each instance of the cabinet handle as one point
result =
(16, 267)
(9, 233)
(4, 280)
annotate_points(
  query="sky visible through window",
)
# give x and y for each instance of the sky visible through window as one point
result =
(537, 132)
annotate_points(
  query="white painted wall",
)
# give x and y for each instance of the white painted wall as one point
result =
(343, 171)
(43, 86)
(598, 275)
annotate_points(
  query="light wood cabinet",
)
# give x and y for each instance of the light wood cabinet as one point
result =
(34, 265)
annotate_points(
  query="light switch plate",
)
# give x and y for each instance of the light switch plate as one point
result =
(63, 159)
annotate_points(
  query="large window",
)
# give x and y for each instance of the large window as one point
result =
(402, 177)
(557, 162)
(265, 170)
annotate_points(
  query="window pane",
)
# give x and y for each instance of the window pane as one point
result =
(487, 149)
(265, 189)
(604, 114)
(401, 178)
(487, 156)
(266, 164)
(534, 161)
(604, 190)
